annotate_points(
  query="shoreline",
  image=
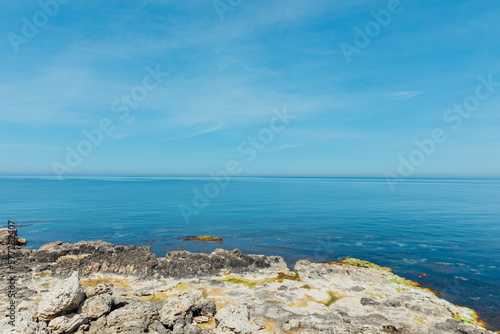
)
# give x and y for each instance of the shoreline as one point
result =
(345, 297)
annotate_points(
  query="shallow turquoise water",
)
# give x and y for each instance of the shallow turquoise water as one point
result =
(448, 229)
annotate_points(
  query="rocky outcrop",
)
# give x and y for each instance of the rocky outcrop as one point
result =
(183, 264)
(9, 241)
(101, 257)
(65, 297)
(96, 256)
(130, 290)
(8, 236)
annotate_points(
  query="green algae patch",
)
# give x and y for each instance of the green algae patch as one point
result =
(360, 264)
(470, 317)
(43, 273)
(374, 294)
(304, 300)
(45, 284)
(406, 285)
(332, 300)
(252, 284)
(467, 320)
(204, 238)
(403, 281)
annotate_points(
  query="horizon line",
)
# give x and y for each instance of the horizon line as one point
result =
(258, 176)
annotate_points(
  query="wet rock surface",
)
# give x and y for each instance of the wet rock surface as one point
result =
(97, 287)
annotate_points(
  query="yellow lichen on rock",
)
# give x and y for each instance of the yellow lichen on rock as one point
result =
(155, 299)
(71, 257)
(93, 282)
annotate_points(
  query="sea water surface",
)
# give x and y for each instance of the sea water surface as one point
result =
(448, 229)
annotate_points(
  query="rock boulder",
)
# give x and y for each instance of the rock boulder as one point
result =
(63, 299)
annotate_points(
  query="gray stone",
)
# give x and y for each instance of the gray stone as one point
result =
(132, 317)
(368, 301)
(64, 298)
(176, 309)
(24, 324)
(158, 328)
(27, 306)
(8, 236)
(67, 323)
(98, 326)
(233, 319)
(96, 306)
(100, 289)
(260, 324)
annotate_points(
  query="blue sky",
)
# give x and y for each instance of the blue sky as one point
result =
(226, 76)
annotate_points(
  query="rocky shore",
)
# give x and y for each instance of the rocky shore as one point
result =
(96, 287)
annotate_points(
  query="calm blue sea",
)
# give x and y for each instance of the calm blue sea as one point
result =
(448, 229)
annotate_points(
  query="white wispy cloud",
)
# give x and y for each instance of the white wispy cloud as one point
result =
(199, 133)
(405, 95)
(283, 147)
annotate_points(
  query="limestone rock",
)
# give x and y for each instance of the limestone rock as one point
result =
(67, 323)
(176, 309)
(132, 318)
(158, 328)
(98, 290)
(185, 264)
(51, 246)
(233, 319)
(24, 324)
(64, 298)
(8, 236)
(26, 306)
(98, 256)
(96, 306)
(98, 326)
